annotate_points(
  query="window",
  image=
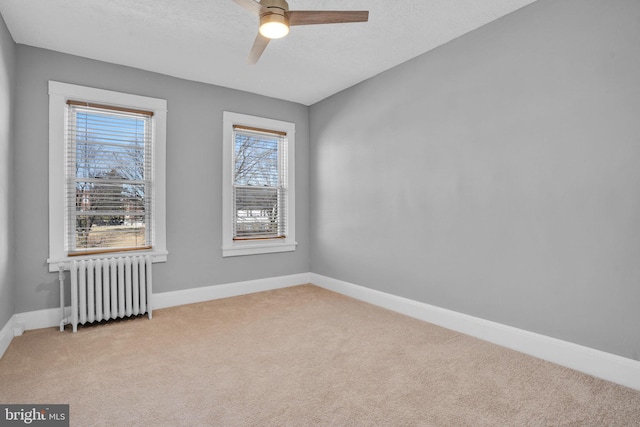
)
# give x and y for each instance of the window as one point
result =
(258, 185)
(106, 165)
(108, 177)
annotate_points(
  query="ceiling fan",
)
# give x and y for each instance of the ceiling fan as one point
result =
(276, 18)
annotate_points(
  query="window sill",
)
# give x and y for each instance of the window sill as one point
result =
(254, 247)
(54, 264)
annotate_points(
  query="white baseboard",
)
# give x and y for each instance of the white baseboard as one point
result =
(207, 293)
(40, 318)
(6, 334)
(597, 363)
(51, 317)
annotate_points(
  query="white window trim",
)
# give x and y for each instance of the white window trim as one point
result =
(59, 93)
(252, 247)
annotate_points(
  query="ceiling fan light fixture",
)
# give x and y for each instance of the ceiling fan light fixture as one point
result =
(275, 19)
(274, 26)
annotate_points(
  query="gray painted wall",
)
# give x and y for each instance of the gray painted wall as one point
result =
(7, 103)
(194, 187)
(496, 176)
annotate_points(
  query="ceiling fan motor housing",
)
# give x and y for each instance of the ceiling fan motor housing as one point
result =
(280, 4)
(276, 7)
(276, 14)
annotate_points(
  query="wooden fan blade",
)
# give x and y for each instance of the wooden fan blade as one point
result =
(259, 45)
(252, 6)
(313, 17)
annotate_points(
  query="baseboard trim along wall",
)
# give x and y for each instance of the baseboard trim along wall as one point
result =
(207, 293)
(610, 367)
(40, 318)
(7, 334)
(600, 364)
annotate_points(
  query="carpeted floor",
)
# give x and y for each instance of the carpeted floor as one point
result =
(300, 356)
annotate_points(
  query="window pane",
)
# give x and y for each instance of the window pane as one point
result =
(108, 193)
(256, 159)
(257, 212)
(259, 194)
(109, 231)
(109, 146)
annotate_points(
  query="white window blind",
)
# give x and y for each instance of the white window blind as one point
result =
(108, 178)
(260, 184)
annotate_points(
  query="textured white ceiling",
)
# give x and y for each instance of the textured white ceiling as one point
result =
(208, 40)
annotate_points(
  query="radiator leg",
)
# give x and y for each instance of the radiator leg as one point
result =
(149, 287)
(63, 320)
(74, 297)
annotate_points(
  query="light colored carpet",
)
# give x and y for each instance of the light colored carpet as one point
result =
(298, 356)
